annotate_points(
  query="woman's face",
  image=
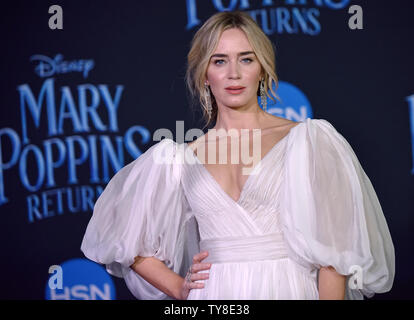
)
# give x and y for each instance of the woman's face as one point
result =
(234, 71)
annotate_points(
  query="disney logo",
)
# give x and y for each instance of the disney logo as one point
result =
(47, 67)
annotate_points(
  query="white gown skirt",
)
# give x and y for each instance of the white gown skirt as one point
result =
(253, 268)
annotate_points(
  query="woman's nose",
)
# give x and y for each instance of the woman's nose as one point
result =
(234, 70)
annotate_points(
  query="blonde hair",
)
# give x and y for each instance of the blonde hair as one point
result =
(204, 44)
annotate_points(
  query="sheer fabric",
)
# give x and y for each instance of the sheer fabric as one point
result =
(141, 212)
(308, 205)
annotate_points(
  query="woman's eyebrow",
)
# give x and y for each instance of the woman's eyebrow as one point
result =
(222, 55)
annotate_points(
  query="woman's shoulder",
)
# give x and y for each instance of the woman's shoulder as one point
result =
(312, 124)
(279, 126)
(162, 152)
(159, 160)
(273, 121)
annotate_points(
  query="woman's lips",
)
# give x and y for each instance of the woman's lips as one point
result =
(235, 90)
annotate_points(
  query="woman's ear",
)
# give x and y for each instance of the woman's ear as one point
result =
(262, 75)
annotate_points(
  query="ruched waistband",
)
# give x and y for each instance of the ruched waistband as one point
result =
(239, 249)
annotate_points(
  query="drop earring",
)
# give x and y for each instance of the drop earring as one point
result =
(263, 98)
(207, 98)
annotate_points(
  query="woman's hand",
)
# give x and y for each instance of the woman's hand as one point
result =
(192, 275)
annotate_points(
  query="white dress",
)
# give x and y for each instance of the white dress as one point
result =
(308, 205)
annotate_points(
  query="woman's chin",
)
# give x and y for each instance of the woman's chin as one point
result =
(235, 103)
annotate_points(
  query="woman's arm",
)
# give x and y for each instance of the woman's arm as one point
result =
(159, 275)
(331, 284)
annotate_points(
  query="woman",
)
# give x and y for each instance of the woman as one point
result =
(298, 226)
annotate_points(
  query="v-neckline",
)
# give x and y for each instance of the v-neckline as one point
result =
(245, 185)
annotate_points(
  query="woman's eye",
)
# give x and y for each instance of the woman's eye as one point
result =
(221, 61)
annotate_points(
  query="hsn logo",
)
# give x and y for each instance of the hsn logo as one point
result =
(79, 279)
(294, 104)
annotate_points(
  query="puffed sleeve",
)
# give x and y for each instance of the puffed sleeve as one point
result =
(331, 215)
(141, 212)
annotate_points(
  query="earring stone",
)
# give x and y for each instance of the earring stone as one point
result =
(263, 98)
(207, 98)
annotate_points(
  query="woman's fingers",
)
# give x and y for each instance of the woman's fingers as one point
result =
(200, 266)
(200, 256)
(196, 285)
(199, 276)
(196, 267)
